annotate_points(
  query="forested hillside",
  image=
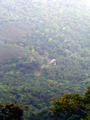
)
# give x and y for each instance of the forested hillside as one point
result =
(44, 50)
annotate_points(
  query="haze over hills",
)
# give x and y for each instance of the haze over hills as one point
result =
(34, 33)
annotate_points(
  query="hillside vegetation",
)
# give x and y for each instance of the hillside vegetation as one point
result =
(44, 50)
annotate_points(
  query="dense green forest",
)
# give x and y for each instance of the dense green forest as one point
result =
(44, 51)
(71, 106)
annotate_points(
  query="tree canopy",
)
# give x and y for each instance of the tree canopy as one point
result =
(11, 112)
(72, 104)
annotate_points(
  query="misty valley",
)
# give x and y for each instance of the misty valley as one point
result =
(44, 60)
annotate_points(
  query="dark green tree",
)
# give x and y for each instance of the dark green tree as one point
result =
(72, 106)
(11, 112)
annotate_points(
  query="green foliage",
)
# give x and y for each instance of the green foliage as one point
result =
(72, 104)
(11, 112)
(31, 35)
(87, 95)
